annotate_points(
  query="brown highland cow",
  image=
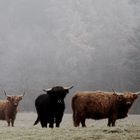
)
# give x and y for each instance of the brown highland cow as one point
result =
(100, 105)
(8, 108)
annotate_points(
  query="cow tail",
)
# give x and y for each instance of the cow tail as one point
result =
(76, 121)
(36, 122)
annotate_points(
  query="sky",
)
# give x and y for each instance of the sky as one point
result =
(44, 43)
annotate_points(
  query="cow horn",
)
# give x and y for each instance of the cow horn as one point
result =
(49, 89)
(5, 93)
(114, 91)
(68, 87)
(138, 93)
(23, 94)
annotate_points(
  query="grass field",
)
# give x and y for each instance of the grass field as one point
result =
(126, 129)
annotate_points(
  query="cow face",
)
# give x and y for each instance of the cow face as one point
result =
(58, 93)
(14, 100)
(125, 101)
(119, 98)
(129, 98)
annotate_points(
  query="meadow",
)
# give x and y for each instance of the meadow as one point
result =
(125, 129)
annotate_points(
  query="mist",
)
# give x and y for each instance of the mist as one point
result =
(92, 44)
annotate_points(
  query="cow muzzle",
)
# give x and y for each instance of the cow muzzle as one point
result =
(15, 104)
(59, 101)
(129, 103)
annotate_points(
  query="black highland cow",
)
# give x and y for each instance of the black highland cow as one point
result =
(50, 107)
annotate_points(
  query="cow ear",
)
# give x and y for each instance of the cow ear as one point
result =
(120, 97)
(8, 98)
(20, 98)
(135, 96)
(49, 92)
(66, 91)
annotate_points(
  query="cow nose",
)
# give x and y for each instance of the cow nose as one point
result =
(128, 103)
(59, 101)
(15, 104)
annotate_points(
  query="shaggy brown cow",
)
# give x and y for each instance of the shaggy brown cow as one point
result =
(100, 105)
(8, 108)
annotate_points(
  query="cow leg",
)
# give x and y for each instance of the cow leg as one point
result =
(8, 120)
(51, 125)
(109, 122)
(76, 119)
(51, 122)
(83, 122)
(12, 122)
(58, 123)
(58, 119)
(112, 120)
(43, 121)
(114, 117)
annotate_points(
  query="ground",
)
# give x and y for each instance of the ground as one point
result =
(125, 129)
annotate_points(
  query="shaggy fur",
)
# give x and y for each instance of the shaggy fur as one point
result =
(100, 105)
(8, 109)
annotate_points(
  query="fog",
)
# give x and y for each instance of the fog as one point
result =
(92, 44)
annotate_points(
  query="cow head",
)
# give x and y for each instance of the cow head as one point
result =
(58, 93)
(128, 98)
(14, 100)
(125, 102)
